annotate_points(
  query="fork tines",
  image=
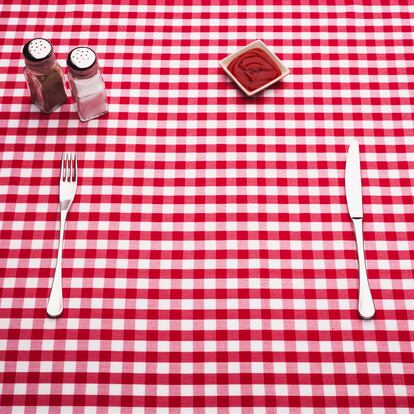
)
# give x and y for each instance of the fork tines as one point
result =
(69, 167)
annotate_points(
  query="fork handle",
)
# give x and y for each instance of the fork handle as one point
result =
(55, 302)
(366, 308)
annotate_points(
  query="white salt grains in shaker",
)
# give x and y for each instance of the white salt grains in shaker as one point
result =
(86, 83)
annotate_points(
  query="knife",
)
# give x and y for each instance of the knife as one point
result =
(353, 190)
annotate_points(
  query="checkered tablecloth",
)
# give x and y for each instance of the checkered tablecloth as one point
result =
(209, 263)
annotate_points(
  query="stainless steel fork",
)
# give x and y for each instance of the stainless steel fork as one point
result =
(67, 190)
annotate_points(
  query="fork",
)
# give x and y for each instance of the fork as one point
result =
(67, 190)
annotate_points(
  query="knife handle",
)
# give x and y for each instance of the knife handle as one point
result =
(366, 308)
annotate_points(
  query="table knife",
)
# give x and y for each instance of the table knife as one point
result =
(353, 190)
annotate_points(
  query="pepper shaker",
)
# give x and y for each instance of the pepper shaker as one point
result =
(86, 83)
(44, 75)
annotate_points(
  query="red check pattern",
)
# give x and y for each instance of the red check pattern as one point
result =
(209, 261)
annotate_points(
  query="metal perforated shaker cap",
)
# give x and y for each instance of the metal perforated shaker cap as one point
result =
(37, 50)
(81, 59)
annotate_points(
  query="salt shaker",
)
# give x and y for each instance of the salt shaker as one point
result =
(44, 75)
(86, 83)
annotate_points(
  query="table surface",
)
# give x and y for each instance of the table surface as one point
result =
(209, 262)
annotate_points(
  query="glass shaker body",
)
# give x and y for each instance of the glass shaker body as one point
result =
(44, 76)
(86, 83)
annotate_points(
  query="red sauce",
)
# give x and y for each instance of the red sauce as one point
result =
(254, 69)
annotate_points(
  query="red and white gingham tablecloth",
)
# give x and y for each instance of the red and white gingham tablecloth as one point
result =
(209, 263)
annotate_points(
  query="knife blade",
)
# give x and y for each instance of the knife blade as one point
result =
(353, 192)
(353, 187)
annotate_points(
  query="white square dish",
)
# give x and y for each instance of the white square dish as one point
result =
(224, 63)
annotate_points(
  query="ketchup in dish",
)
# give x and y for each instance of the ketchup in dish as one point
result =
(254, 68)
